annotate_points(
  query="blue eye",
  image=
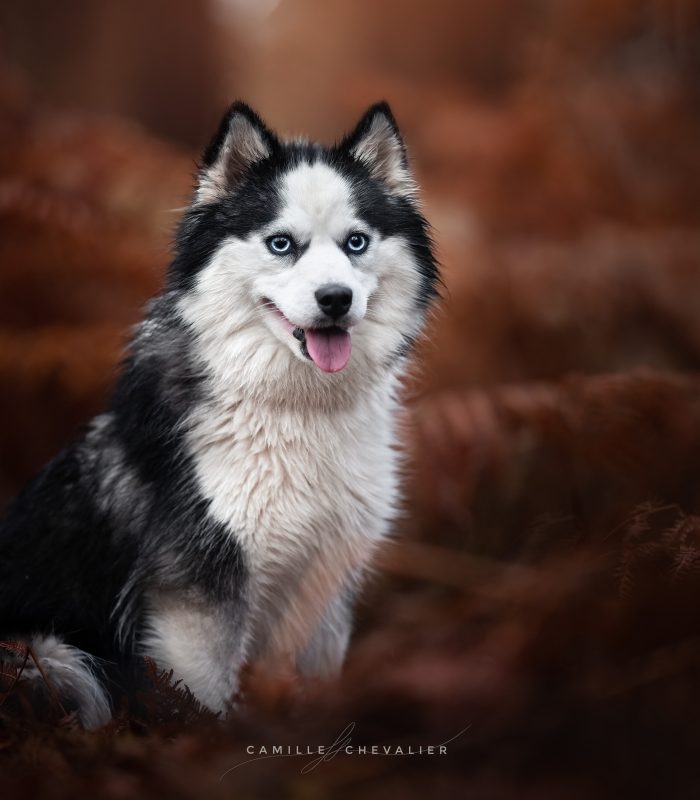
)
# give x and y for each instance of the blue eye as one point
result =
(356, 243)
(280, 245)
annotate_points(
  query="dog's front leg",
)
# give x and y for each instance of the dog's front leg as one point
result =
(202, 642)
(324, 653)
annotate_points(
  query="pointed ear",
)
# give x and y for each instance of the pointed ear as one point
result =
(242, 140)
(376, 142)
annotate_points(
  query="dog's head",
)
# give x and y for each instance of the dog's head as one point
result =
(298, 258)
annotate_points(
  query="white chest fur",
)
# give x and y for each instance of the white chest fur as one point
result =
(308, 494)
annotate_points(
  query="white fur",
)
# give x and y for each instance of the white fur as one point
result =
(242, 146)
(233, 328)
(324, 653)
(199, 641)
(317, 210)
(381, 150)
(69, 673)
(300, 465)
(308, 495)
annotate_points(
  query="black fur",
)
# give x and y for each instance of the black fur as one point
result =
(119, 510)
(254, 201)
(213, 149)
(116, 512)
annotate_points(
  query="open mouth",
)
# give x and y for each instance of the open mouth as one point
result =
(328, 347)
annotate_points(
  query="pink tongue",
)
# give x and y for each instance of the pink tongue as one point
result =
(329, 348)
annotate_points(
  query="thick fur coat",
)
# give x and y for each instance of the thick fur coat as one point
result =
(225, 507)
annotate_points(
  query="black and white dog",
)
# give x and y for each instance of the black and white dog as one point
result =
(225, 507)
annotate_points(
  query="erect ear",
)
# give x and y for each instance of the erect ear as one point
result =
(377, 143)
(242, 140)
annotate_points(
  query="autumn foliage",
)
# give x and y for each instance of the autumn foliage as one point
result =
(542, 595)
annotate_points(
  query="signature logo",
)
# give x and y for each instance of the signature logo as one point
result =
(341, 745)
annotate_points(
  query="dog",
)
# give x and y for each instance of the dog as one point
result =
(225, 508)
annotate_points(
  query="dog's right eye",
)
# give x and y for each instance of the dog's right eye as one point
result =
(280, 245)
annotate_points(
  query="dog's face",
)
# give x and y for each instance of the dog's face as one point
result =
(299, 257)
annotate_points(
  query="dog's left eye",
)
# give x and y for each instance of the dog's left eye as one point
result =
(356, 243)
(280, 245)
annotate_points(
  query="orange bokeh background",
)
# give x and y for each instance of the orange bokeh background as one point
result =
(546, 575)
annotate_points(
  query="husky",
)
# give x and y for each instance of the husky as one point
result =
(224, 509)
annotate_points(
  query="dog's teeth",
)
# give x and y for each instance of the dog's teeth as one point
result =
(298, 333)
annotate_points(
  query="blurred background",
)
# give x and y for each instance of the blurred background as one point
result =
(544, 587)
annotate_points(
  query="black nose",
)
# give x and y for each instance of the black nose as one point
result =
(334, 299)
